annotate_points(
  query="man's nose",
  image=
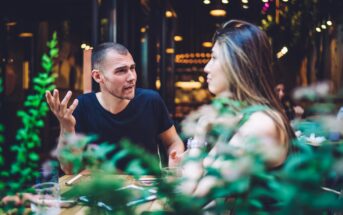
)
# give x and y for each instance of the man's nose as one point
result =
(131, 75)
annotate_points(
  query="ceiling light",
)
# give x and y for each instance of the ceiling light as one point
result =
(170, 51)
(225, 1)
(323, 26)
(318, 29)
(207, 44)
(218, 12)
(169, 14)
(178, 38)
(206, 2)
(11, 23)
(329, 22)
(25, 34)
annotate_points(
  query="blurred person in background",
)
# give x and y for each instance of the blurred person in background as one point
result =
(291, 110)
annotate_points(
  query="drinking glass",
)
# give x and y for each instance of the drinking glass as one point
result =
(46, 200)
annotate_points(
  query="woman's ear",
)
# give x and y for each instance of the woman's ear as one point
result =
(97, 76)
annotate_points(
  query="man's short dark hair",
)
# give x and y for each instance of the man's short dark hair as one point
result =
(101, 50)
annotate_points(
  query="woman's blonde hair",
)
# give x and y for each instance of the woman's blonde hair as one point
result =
(247, 61)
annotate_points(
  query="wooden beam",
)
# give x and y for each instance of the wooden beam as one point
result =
(87, 70)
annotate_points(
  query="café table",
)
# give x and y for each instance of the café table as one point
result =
(81, 209)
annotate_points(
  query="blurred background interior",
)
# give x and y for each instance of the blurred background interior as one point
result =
(170, 41)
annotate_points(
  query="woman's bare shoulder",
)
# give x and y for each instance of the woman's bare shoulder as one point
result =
(260, 124)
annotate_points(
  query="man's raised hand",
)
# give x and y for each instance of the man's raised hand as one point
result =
(61, 110)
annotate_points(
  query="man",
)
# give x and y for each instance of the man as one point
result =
(119, 110)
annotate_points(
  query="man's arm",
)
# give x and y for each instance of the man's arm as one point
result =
(173, 144)
(66, 120)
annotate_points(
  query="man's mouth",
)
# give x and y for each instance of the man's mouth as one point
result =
(131, 87)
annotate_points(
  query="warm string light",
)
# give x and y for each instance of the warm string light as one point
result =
(193, 58)
(323, 26)
(282, 52)
(245, 4)
(85, 46)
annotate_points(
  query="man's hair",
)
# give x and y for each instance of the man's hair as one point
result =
(99, 52)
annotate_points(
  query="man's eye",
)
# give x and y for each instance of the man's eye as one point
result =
(121, 71)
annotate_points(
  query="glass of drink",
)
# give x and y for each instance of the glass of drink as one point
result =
(46, 200)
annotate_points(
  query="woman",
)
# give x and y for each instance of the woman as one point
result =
(241, 68)
(291, 110)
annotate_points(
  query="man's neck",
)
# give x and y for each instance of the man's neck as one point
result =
(111, 103)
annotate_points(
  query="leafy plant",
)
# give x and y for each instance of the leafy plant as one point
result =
(24, 168)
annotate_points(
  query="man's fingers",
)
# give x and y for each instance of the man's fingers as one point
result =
(56, 96)
(173, 154)
(72, 107)
(64, 103)
(49, 100)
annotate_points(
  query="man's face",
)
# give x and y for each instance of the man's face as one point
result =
(118, 75)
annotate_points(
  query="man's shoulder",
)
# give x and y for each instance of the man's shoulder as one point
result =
(86, 96)
(86, 99)
(147, 93)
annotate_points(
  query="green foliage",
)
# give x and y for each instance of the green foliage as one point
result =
(298, 20)
(2, 138)
(238, 181)
(23, 169)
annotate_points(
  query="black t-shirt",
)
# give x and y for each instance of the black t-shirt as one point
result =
(145, 117)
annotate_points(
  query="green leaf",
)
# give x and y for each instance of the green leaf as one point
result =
(33, 156)
(54, 52)
(40, 123)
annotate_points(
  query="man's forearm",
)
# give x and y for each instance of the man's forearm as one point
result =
(66, 167)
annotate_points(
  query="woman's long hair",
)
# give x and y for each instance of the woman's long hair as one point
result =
(247, 55)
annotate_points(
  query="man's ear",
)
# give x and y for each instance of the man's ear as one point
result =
(97, 76)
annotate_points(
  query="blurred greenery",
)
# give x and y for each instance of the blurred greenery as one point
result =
(25, 165)
(242, 182)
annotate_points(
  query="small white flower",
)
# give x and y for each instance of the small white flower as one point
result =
(315, 141)
(298, 133)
